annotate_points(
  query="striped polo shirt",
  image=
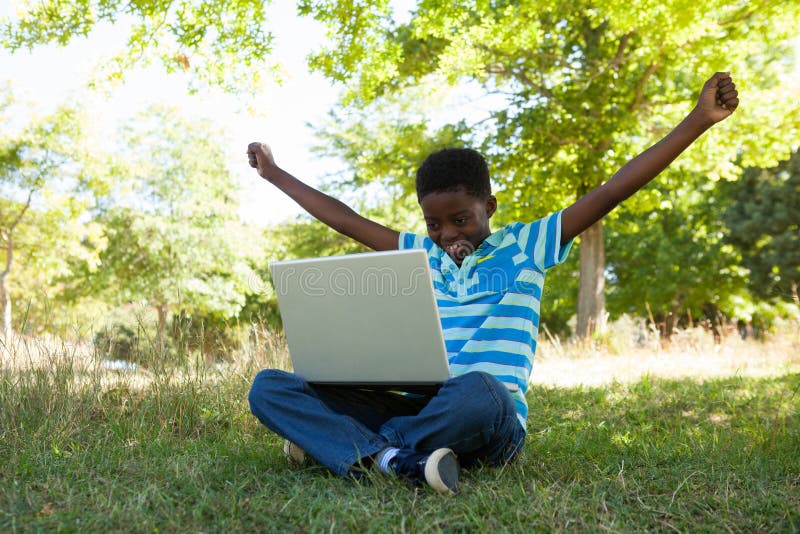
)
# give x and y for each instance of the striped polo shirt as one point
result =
(489, 307)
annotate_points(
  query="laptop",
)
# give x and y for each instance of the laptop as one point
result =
(364, 320)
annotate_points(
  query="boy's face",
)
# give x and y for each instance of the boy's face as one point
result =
(457, 221)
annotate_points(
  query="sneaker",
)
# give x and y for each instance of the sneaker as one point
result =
(438, 469)
(294, 454)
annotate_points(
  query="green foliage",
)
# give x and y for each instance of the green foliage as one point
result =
(49, 244)
(47, 157)
(363, 49)
(764, 225)
(48, 182)
(559, 95)
(129, 333)
(678, 242)
(382, 146)
(583, 86)
(215, 42)
(171, 237)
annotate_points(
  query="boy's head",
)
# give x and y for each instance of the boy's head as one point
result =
(453, 169)
(456, 198)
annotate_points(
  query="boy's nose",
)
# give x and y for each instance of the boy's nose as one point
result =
(449, 233)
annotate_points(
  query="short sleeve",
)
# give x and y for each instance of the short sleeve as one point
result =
(410, 241)
(541, 241)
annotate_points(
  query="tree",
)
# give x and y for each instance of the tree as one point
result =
(579, 88)
(174, 240)
(46, 184)
(763, 223)
(673, 233)
(216, 42)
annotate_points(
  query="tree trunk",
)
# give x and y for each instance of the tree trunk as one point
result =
(671, 320)
(5, 306)
(591, 291)
(5, 298)
(162, 328)
(8, 237)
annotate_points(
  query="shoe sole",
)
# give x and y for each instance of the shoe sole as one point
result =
(441, 471)
(294, 454)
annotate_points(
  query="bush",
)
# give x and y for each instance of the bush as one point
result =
(131, 334)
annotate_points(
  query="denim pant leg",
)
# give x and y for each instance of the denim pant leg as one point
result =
(473, 414)
(288, 406)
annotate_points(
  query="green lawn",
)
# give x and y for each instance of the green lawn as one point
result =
(82, 453)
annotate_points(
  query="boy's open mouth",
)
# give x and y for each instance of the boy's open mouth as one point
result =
(459, 249)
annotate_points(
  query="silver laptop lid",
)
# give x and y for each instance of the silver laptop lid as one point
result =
(365, 319)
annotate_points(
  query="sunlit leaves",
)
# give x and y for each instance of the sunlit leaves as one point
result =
(764, 224)
(579, 88)
(47, 186)
(218, 43)
(357, 28)
(171, 222)
(581, 78)
(668, 246)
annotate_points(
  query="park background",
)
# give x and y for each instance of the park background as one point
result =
(135, 242)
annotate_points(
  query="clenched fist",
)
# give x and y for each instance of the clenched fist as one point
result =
(259, 155)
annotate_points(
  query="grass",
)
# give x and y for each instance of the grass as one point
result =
(85, 449)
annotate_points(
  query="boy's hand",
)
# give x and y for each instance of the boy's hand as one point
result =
(321, 206)
(718, 99)
(260, 157)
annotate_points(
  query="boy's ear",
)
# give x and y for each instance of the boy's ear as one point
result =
(491, 205)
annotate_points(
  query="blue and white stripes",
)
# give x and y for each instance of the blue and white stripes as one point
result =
(489, 307)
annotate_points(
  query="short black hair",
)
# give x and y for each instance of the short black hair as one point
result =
(454, 169)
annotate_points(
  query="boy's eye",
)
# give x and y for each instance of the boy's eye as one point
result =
(461, 220)
(432, 226)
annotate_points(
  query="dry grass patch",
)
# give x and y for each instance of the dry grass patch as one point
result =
(691, 353)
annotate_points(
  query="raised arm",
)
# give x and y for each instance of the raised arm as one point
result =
(717, 101)
(327, 209)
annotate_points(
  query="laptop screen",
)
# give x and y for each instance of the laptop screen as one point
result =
(362, 319)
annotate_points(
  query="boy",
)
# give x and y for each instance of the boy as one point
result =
(488, 287)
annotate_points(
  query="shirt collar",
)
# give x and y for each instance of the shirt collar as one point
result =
(494, 239)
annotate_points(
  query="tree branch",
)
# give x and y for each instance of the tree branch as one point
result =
(499, 69)
(9, 257)
(639, 95)
(614, 63)
(21, 213)
(564, 142)
(618, 58)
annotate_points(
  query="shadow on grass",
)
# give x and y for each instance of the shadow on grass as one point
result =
(655, 455)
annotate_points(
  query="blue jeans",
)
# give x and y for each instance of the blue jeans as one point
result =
(472, 414)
